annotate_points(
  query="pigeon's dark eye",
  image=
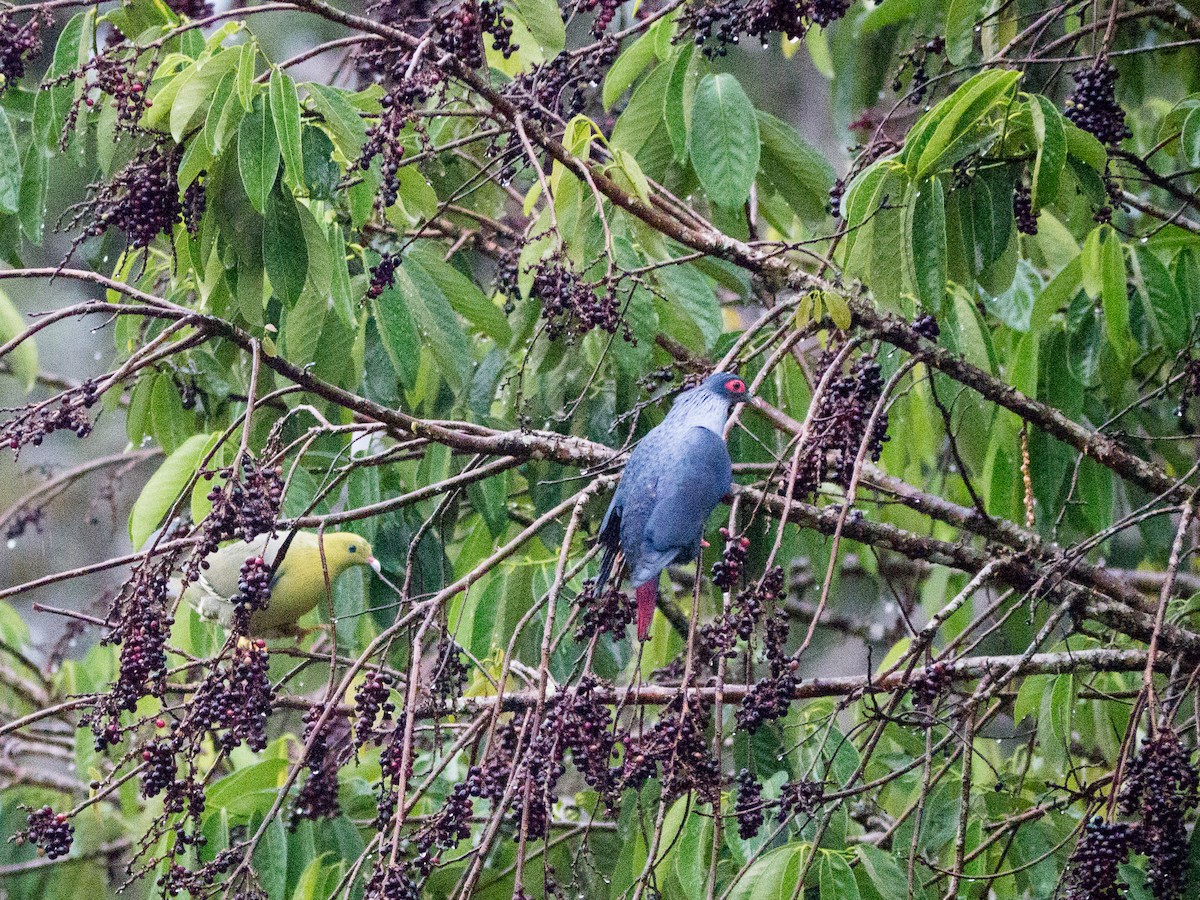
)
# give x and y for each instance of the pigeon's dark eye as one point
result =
(352, 548)
(737, 386)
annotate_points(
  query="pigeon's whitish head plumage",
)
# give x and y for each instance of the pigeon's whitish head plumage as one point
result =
(708, 405)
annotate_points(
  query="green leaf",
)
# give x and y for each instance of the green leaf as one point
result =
(437, 325)
(925, 242)
(1189, 138)
(10, 171)
(724, 140)
(628, 66)
(835, 878)
(258, 154)
(34, 183)
(677, 104)
(285, 115)
(796, 170)
(166, 485)
(544, 21)
(961, 16)
(684, 285)
(1115, 295)
(1050, 131)
(883, 870)
(22, 360)
(196, 92)
(246, 88)
(345, 125)
(1154, 283)
(464, 295)
(966, 108)
(772, 876)
(1015, 306)
(52, 104)
(398, 334)
(285, 251)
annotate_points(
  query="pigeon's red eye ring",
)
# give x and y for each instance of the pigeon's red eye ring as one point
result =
(737, 386)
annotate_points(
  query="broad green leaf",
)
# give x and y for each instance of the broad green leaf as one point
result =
(246, 87)
(345, 125)
(214, 137)
(285, 115)
(437, 325)
(166, 485)
(961, 16)
(835, 878)
(1185, 272)
(52, 104)
(884, 873)
(641, 128)
(796, 170)
(195, 96)
(677, 104)
(629, 65)
(22, 360)
(399, 335)
(967, 107)
(35, 176)
(684, 285)
(284, 249)
(1154, 283)
(772, 876)
(544, 21)
(1189, 138)
(10, 167)
(724, 141)
(464, 295)
(258, 154)
(1051, 135)
(925, 242)
(1115, 295)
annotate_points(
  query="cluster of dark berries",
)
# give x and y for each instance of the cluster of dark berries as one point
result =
(926, 326)
(916, 59)
(839, 429)
(18, 42)
(1092, 872)
(538, 771)
(448, 826)
(929, 685)
(383, 275)
(244, 505)
(372, 707)
(676, 743)
(558, 88)
(51, 832)
(318, 797)
(800, 797)
(1093, 105)
(507, 274)
(775, 644)
(1161, 788)
(586, 726)
(391, 881)
(716, 24)
(609, 613)
(746, 611)
(195, 201)
(1023, 209)
(375, 62)
(142, 199)
(237, 700)
(457, 30)
(158, 757)
(727, 571)
(490, 779)
(66, 412)
(449, 671)
(199, 882)
(193, 9)
(768, 700)
(606, 11)
(114, 73)
(499, 25)
(748, 808)
(569, 304)
(836, 193)
(142, 626)
(253, 593)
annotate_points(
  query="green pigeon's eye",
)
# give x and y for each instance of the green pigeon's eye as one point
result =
(352, 548)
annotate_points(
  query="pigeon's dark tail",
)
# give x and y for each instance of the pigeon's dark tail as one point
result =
(607, 558)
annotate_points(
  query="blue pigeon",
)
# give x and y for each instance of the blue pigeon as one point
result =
(673, 481)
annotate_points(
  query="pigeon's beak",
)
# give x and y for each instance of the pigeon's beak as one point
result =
(374, 564)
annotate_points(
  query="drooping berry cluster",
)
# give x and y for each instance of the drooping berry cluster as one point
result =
(449, 672)
(195, 201)
(383, 275)
(391, 881)
(199, 882)
(676, 744)
(142, 199)
(318, 797)
(926, 326)
(929, 685)
(716, 24)
(193, 9)
(1023, 209)
(236, 700)
(538, 771)
(744, 614)
(569, 304)
(916, 59)
(557, 89)
(769, 699)
(609, 613)
(449, 825)
(748, 808)
(142, 626)
(1093, 105)
(113, 73)
(242, 507)
(499, 25)
(586, 725)
(18, 42)
(839, 429)
(490, 779)
(1092, 872)
(51, 832)
(66, 412)
(606, 11)
(253, 593)
(727, 571)
(158, 757)
(800, 797)
(372, 707)
(1161, 788)
(458, 33)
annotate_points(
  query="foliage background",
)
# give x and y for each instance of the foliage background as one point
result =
(963, 237)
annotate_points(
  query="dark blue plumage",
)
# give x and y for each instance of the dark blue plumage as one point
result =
(673, 481)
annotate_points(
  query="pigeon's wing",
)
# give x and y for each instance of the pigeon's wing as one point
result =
(609, 538)
(687, 492)
(212, 594)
